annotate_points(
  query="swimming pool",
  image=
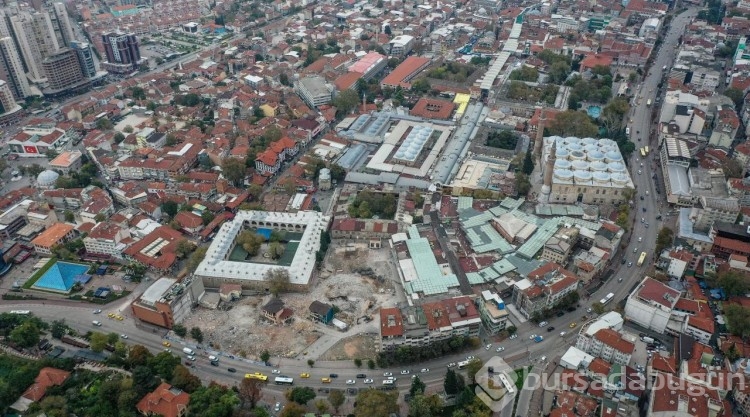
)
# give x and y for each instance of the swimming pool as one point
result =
(594, 111)
(61, 277)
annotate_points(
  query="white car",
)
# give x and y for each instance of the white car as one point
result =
(405, 372)
(532, 337)
(277, 407)
(97, 311)
(468, 358)
(488, 347)
(276, 371)
(452, 364)
(387, 374)
(191, 357)
(640, 239)
(500, 349)
(368, 381)
(350, 382)
(513, 336)
(542, 324)
(124, 336)
(425, 370)
(562, 334)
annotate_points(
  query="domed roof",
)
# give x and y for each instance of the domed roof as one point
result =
(47, 177)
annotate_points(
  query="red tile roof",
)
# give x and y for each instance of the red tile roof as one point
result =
(165, 258)
(165, 401)
(653, 290)
(48, 377)
(433, 109)
(404, 70)
(613, 339)
(394, 327)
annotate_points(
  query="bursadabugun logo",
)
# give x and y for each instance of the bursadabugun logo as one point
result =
(496, 384)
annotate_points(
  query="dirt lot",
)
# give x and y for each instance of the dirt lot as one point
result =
(360, 346)
(242, 331)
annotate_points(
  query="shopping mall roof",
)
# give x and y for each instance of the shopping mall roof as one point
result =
(430, 276)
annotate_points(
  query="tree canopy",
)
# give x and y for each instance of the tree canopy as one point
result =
(573, 123)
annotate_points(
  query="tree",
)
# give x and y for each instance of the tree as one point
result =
(370, 364)
(358, 362)
(598, 308)
(112, 338)
(387, 30)
(336, 398)
(185, 380)
(528, 164)
(525, 73)
(128, 129)
(58, 329)
(26, 335)
(163, 364)
(250, 392)
(183, 248)
(100, 217)
(474, 366)
(733, 354)
(234, 170)
(179, 330)
(293, 410)
(278, 280)
(738, 320)
(614, 113)
(421, 86)
(213, 401)
(736, 95)
(284, 79)
(417, 386)
(338, 173)
(250, 241)
(321, 406)
(523, 185)
(196, 258)
(376, 403)
(144, 380)
(345, 101)
(170, 208)
(301, 395)
(196, 334)
(310, 363)
(265, 356)
(103, 124)
(425, 406)
(138, 356)
(453, 383)
(733, 282)
(573, 123)
(663, 240)
(558, 72)
(171, 139)
(275, 250)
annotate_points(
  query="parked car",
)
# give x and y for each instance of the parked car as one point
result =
(232, 370)
(488, 347)
(304, 375)
(275, 371)
(405, 372)
(550, 328)
(368, 381)
(387, 374)
(425, 370)
(350, 382)
(333, 375)
(500, 349)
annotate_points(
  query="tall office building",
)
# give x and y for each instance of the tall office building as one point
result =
(62, 24)
(85, 58)
(36, 39)
(10, 112)
(63, 72)
(122, 51)
(11, 69)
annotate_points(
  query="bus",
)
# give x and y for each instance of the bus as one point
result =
(645, 148)
(462, 364)
(21, 312)
(283, 380)
(643, 152)
(642, 258)
(259, 376)
(607, 299)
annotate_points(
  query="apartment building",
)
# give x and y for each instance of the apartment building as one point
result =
(557, 249)
(167, 302)
(122, 51)
(401, 45)
(611, 346)
(493, 312)
(106, 239)
(650, 305)
(543, 288)
(57, 234)
(63, 72)
(314, 91)
(11, 69)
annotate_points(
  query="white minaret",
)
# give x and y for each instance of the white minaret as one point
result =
(549, 168)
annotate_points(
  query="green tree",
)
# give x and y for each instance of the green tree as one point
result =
(425, 406)
(293, 410)
(738, 320)
(196, 258)
(321, 406)
(58, 328)
(453, 382)
(179, 330)
(183, 248)
(284, 79)
(558, 72)
(376, 403)
(100, 217)
(171, 139)
(421, 86)
(336, 398)
(250, 392)
(310, 363)
(301, 395)
(525, 73)
(265, 356)
(170, 208)
(184, 380)
(338, 173)
(144, 380)
(275, 250)
(26, 335)
(370, 364)
(69, 216)
(734, 283)
(732, 168)
(250, 241)
(523, 185)
(614, 113)
(139, 356)
(98, 341)
(417, 386)
(103, 124)
(346, 100)
(573, 123)
(528, 164)
(733, 354)
(736, 95)
(598, 308)
(358, 362)
(128, 129)
(112, 338)
(663, 240)
(474, 366)
(196, 334)
(278, 280)
(213, 400)
(234, 170)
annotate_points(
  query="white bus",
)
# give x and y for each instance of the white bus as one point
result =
(607, 299)
(21, 312)
(283, 380)
(462, 364)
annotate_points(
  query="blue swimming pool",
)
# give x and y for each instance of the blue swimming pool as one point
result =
(594, 111)
(62, 276)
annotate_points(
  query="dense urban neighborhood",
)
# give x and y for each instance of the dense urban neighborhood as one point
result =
(386, 208)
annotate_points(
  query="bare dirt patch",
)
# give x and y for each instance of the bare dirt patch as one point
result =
(242, 331)
(355, 347)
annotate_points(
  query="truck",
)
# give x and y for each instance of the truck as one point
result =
(188, 351)
(646, 339)
(648, 103)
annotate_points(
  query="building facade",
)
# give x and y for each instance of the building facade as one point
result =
(122, 51)
(63, 72)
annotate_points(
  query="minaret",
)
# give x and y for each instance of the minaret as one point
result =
(539, 141)
(549, 168)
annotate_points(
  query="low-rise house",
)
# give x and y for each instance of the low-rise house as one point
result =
(57, 234)
(321, 312)
(275, 312)
(164, 401)
(47, 377)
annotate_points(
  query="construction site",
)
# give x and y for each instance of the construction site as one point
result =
(355, 281)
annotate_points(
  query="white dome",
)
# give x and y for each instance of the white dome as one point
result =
(562, 164)
(564, 174)
(47, 178)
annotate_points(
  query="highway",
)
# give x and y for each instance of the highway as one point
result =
(518, 351)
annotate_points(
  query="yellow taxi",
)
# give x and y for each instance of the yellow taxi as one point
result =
(325, 380)
(573, 325)
(166, 344)
(111, 315)
(304, 375)
(119, 317)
